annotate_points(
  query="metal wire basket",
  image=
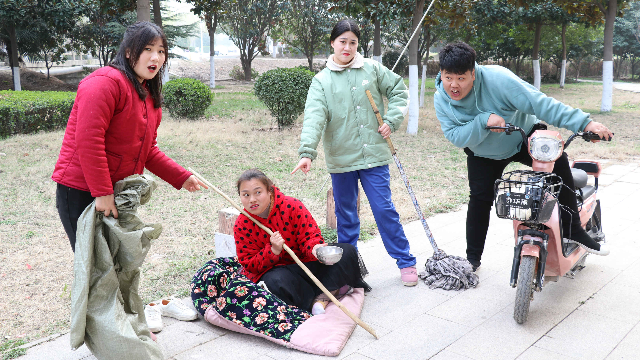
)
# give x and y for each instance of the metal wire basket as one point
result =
(527, 196)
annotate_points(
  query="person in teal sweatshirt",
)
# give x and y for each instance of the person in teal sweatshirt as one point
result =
(469, 98)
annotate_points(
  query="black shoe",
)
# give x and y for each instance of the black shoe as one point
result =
(475, 264)
(580, 237)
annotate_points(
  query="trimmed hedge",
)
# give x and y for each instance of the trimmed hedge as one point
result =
(188, 98)
(26, 112)
(389, 59)
(284, 92)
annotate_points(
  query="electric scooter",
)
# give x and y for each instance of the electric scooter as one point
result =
(530, 199)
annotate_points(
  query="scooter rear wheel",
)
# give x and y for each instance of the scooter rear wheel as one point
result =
(524, 289)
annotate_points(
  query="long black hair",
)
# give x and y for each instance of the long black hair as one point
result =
(136, 38)
(342, 27)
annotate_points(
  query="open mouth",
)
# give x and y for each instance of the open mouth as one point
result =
(152, 67)
(255, 206)
(455, 92)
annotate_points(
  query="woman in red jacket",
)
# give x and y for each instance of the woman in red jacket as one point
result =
(112, 129)
(263, 258)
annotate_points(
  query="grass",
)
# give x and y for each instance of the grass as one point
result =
(225, 104)
(238, 133)
(10, 349)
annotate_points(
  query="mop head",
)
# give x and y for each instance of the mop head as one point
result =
(448, 272)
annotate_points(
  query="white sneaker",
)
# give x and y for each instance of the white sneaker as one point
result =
(176, 309)
(153, 315)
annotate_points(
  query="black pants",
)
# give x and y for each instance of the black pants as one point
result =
(292, 285)
(71, 204)
(484, 172)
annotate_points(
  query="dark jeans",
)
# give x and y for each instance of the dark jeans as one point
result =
(484, 172)
(71, 204)
(292, 285)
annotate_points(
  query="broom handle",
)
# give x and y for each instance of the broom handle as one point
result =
(293, 256)
(404, 178)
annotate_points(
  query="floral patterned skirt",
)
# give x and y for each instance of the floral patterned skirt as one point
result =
(219, 283)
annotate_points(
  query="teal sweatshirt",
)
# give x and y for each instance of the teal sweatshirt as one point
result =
(496, 90)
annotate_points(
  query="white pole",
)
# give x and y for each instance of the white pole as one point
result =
(212, 69)
(16, 78)
(414, 111)
(422, 86)
(412, 35)
(607, 86)
(563, 73)
(536, 74)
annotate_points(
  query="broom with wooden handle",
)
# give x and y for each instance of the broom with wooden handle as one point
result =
(443, 271)
(293, 256)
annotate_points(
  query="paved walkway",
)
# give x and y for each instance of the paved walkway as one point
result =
(593, 316)
(626, 86)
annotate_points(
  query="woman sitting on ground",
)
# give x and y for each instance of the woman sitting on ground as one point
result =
(264, 259)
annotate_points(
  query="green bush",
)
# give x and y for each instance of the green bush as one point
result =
(284, 92)
(26, 112)
(187, 98)
(238, 74)
(389, 59)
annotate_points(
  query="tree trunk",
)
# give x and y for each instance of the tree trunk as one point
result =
(143, 10)
(212, 23)
(212, 76)
(46, 64)
(534, 56)
(425, 65)
(310, 60)
(157, 17)
(377, 49)
(414, 102)
(246, 63)
(564, 55)
(15, 65)
(607, 64)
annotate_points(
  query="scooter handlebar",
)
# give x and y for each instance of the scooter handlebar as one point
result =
(586, 136)
(508, 129)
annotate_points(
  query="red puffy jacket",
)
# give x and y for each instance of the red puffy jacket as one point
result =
(297, 227)
(111, 134)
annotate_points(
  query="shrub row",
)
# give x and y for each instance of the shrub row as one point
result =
(26, 112)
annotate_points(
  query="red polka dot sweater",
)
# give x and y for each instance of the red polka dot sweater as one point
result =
(294, 222)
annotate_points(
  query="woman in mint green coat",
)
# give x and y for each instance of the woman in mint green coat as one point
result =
(354, 144)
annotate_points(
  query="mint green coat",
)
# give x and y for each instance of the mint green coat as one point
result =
(337, 106)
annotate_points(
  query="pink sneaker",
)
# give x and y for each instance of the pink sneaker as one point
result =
(409, 276)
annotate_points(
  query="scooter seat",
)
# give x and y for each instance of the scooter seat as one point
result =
(579, 178)
(587, 191)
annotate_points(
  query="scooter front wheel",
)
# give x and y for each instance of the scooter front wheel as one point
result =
(524, 289)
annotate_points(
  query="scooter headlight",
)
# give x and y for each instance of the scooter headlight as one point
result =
(545, 148)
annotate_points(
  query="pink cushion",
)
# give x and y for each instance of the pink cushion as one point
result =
(324, 334)
(328, 333)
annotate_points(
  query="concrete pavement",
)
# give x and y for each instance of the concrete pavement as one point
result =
(625, 86)
(596, 315)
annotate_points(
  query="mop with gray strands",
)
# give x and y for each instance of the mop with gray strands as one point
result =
(441, 270)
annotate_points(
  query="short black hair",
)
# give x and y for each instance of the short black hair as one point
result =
(342, 27)
(457, 58)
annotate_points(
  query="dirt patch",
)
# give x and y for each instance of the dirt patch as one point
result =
(201, 70)
(34, 81)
